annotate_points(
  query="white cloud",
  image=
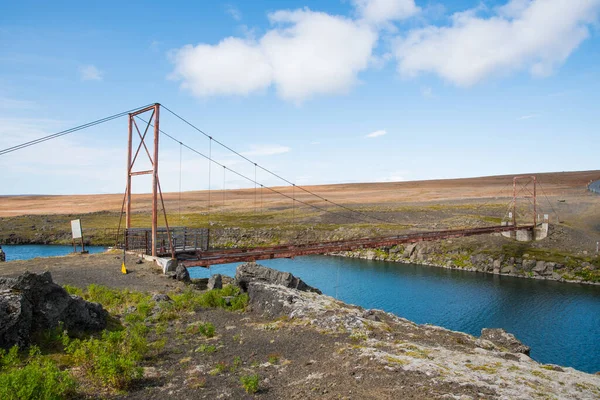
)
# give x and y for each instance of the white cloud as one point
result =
(375, 134)
(234, 66)
(396, 176)
(266, 150)
(537, 35)
(233, 11)
(524, 117)
(380, 11)
(90, 73)
(315, 143)
(316, 53)
(304, 54)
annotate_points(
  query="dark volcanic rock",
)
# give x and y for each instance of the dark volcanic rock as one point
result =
(504, 339)
(33, 303)
(215, 282)
(253, 272)
(182, 274)
(15, 319)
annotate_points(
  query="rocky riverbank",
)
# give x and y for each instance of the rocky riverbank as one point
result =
(509, 259)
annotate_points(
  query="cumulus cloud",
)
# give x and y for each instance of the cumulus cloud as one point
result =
(375, 134)
(234, 66)
(90, 73)
(266, 150)
(305, 53)
(537, 35)
(380, 11)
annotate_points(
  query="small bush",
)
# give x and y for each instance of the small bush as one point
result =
(237, 363)
(39, 378)
(250, 383)
(207, 329)
(206, 348)
(219, 368)
(111, 360)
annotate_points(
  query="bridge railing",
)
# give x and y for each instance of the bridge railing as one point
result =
(184, 239)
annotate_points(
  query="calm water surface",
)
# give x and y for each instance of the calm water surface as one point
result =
(561, 322)
(29, 251)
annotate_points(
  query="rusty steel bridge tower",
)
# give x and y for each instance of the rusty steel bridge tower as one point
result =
(153, 121)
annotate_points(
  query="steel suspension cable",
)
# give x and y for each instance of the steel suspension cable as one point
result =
(273, 173)
(548, 200)
(68, 131)
(242, 175)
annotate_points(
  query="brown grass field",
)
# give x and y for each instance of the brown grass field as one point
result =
(565, 184)
(405, 206)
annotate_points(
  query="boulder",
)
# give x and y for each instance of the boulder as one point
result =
(269, 300)
(159, 297)
(215, 282)
(253, 272)
(504, 339)
(371, 315)
(15, 319)
(33, 303)
(540, 268)
(182, 274)
(528, 265)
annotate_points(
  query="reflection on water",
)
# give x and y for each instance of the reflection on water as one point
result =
(561, 322)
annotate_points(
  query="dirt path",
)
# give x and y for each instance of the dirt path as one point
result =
(82, 270)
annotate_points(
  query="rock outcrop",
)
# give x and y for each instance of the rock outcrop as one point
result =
(215, 282)
(182, 274)
(496, 365)
(253, 272)
(453, 256)
(505, 340)
(33, 303)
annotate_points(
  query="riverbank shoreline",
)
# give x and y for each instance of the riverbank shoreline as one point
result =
(367, 254)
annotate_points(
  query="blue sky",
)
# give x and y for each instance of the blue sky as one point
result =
(319, 91)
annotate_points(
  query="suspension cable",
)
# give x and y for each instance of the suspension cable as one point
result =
(245, 177)
(273, 173)
(68, 131)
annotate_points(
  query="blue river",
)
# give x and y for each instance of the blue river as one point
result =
(29, 251)
(560, 321)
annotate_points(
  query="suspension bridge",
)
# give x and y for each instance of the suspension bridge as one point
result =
(192, 245)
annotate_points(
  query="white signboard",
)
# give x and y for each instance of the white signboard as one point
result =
(76, 228)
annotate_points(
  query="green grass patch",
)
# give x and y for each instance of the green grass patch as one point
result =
(112, 359)
(250, 383)
(33, 377)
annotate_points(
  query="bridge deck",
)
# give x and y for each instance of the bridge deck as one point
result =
(214, 257)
